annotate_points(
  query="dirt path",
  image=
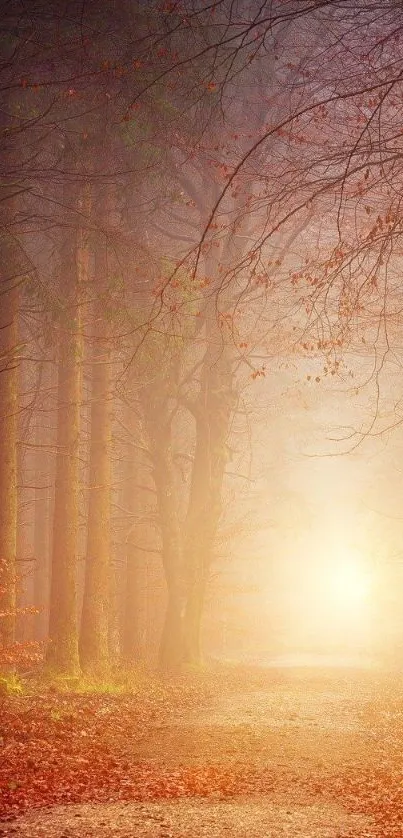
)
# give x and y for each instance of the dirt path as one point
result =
(262, 818)
(272, 754)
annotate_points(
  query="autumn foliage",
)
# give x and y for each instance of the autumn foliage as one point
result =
(149, 745)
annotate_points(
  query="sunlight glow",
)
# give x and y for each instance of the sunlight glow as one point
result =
(348, 582)
(332, 607)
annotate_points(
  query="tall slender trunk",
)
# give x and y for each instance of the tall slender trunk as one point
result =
(63, 649)
(9, 280)
(171, 645)
(197, 522)
(42, 511)
(131, 642)
(94, 649)
(156, 411)
(23, 623)
(41, 554)
(114, 615)
(62, 653)
(212, 412)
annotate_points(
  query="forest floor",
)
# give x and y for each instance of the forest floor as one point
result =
(236, 751)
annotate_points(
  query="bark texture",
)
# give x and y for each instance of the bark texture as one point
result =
(212, 411)
(62, 654)
(94, 634)
(131, 641)
(9, 282)
(158, 421)
(42, 515)
(94, 649)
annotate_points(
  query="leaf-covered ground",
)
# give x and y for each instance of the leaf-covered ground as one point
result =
(233, 752)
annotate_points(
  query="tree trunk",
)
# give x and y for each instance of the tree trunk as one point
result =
(43, 476)
(9, 279)
(63, 649)
(131, 642)
(156, 411)
(94, 649)
(114, 620)
(194, 613)
(23, 622)
(131, 645)
(41, 554)
(94, 634)
(62, 653)
(171, 646)
(212, 411)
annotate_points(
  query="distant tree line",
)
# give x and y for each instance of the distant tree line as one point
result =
(188, 190)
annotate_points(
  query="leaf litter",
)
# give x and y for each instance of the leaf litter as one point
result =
(236, 751)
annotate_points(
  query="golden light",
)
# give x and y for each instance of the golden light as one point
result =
(348, 582)
(332, 604)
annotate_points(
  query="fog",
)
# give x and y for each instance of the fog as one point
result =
(200, 334)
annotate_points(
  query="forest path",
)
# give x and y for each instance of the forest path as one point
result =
(263, 753)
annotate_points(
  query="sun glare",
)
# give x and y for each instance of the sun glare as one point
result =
(348, 582)
(333, 605)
